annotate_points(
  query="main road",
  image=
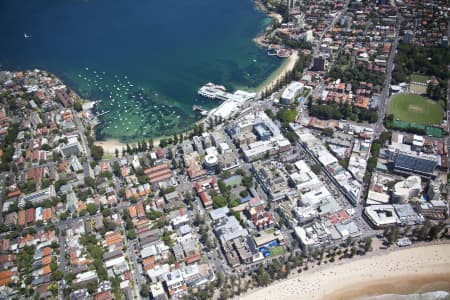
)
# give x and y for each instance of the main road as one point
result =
(82, 136)
(382, 106)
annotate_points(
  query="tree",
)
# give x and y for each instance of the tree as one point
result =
(233, 202)
(219, 201)
(53, 265)
(53, 288)
(63, 216)
(224, 294)
(144, 145)
(372, 163)
(91, 287)
(270, 113)
(69, 277)
(289, 167)
(154, 214)
(225, 174)
(286, 116)
(57, 275)
(91, 208)
(368, 244)
(247, 181)
(106, 174)
(97, 152)
(262, 278)
(328, 131)
(353, 251)
(349, 241)
(166, 238)
(116, 169)
(163, 143)
(106, 212)
(78, 106)
(150, 144)
(145, 291)
(243, 193)
(423, 232)
(391, 234)
(316, 169)
(219, 279)
(89, 181)
(46, 147)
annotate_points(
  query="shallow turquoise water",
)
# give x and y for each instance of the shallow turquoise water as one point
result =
(156, 53)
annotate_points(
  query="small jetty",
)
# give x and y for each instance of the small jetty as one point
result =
(201, 110)
(276, 50)
(272, 50)
(102, 113)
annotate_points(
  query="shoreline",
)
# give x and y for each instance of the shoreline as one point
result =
(351, 279)
(110, 145)
(279, 73)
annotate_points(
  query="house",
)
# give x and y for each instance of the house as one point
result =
(157, 291)
(6, 277)
(260, 217)
(175, 282)
(83, 279)
(202, 188)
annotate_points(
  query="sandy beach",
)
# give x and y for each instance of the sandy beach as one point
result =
(285, 68)
(276, 17)
(419, 269)
(110, 146)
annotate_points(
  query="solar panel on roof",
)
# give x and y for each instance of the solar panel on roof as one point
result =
(416, 164)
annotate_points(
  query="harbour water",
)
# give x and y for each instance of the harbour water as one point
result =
(144, 59)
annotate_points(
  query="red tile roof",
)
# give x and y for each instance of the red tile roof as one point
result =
(30, 215)
(5, 277)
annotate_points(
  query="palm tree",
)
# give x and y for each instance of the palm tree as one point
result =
(368, 244)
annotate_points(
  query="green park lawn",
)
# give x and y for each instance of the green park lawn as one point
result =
(415, 108)
(419, 78)
(277, 250)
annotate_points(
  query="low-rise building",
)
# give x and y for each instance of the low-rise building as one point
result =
(272, 178)
(381, 215)
(312, 235)
(406, 189)
(38, 197)
(291, 91)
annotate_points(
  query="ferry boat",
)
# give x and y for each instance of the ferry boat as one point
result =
(211, 90)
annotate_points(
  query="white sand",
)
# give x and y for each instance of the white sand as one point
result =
(317, 284)
(277, 17)
(110, 146)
